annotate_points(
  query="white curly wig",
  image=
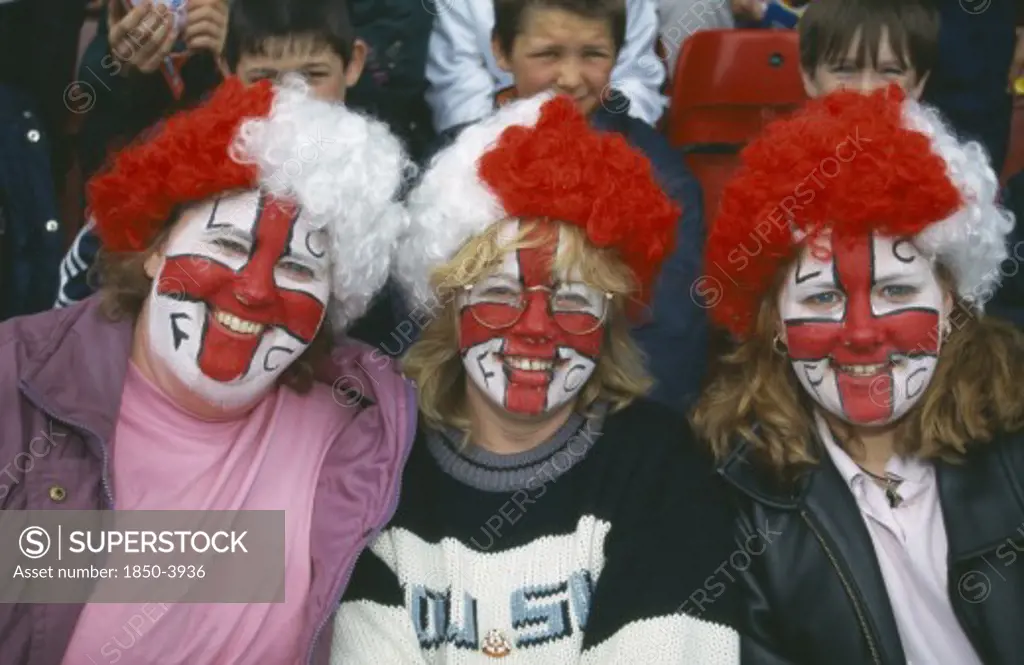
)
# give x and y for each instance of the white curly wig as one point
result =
(451, 204)
(345, 170)
(972, 241)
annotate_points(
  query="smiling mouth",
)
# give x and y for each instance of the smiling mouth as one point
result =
(237, 325)
(868, 370)
(529, 364)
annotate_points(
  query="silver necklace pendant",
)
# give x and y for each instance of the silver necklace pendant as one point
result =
(895, 500)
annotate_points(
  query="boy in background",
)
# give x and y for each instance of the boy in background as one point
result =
(463, 75)
(868, 44)
(268, 39)
(572, 46)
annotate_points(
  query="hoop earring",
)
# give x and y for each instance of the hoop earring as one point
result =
(779, 347)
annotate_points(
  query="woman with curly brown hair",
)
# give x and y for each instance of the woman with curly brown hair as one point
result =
(869, 417)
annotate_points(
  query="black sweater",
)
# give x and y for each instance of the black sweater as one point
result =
(610, 543)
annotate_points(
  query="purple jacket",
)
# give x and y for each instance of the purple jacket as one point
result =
(61, 378)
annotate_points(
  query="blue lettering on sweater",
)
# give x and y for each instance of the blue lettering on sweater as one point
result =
(430, 614)
(544, 607)
(539, 613)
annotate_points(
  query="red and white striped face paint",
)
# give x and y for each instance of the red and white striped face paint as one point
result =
(862, 320)
(536, 364)
(242, 292)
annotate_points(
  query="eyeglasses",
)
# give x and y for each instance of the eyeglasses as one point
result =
(498, 303)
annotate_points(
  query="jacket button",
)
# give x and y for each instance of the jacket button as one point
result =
(33, 135)
(52, 225)
(58, 494)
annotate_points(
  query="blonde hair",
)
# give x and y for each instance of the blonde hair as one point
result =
(974, 395)
(435, 364)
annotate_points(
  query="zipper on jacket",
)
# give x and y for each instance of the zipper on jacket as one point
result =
(875, 658)
(340, 589)
(381, 524)
(81, 428)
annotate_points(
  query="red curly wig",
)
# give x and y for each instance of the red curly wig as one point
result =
(562, 169)
(186, 161)
(845, 162)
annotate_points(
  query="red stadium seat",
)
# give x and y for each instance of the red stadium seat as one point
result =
(727, 86)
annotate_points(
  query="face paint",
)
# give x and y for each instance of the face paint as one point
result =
(862, 326)
(529, 361)
(241, 294)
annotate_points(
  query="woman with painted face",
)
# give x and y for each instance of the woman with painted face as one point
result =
(870, 417)
(550, 514)
(204, 376)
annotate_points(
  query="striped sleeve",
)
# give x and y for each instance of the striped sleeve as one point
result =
(659, 598)
(74, 269)
(372, 626)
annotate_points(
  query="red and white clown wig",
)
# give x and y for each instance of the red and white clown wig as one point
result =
(874, 211)
(283, 213)
(537, 162)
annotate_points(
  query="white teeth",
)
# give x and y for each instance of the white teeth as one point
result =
(529, 365)
(863, 370)
(235, 324)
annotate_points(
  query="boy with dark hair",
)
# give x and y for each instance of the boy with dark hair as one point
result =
(868, 44)
(269, 38)
(571, 46)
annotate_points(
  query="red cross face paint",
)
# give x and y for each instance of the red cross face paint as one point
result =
(241, 294)
(862, 322)
(530, 338)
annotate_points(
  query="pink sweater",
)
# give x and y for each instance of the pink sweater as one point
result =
(163, 458)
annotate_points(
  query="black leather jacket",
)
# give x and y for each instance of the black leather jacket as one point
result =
(815, 594)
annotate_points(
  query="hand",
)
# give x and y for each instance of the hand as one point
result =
(206, 25)
(748, 10)
(140, 38)
(1017, 64)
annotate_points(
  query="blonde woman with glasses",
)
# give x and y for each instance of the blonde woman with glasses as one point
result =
(550, 513)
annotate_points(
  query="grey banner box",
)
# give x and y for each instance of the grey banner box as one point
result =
(145, 556)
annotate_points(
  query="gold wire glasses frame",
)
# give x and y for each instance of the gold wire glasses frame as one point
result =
(496, 320)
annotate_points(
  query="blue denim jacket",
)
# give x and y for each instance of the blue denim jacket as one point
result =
(31, 238)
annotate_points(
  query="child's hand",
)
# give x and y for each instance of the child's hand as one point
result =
(140, 38)
(206, 25)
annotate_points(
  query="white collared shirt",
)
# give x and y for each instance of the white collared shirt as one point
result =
(911, 546)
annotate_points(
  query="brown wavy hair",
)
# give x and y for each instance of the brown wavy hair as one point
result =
(434, 363)
(754, 397)
(124, 286)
